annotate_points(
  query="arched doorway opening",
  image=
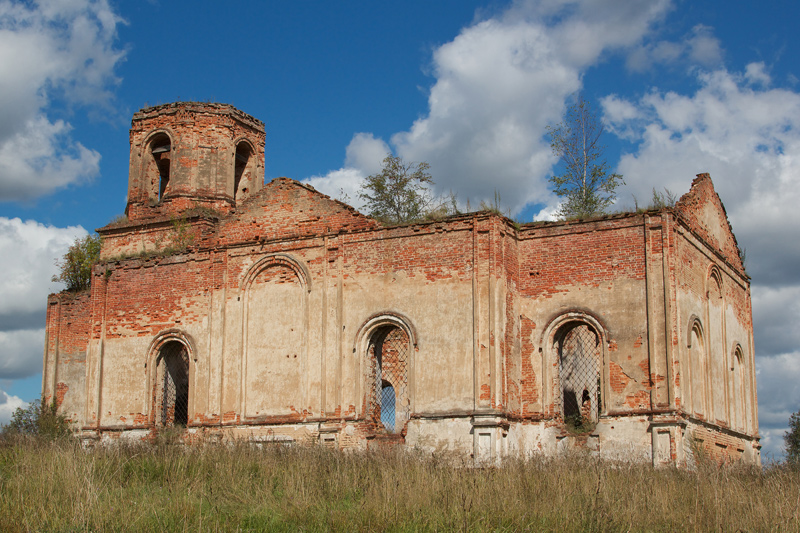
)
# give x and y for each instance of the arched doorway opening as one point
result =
(579, 371)
(171, 391)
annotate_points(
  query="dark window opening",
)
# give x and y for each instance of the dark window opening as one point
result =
(161, 150)
(240, 165)
(579, 364)
(172, 386)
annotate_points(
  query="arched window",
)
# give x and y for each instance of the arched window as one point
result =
(739, 398)
(697, 359)
(388, 399)
(715, 350)
(171, 391)
(240, 168)
(159, 167)
(580, 364)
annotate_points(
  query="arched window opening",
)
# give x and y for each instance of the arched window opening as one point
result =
(697, 356)
(579, 368)
(160, 148)
(241, 160)
(716, 353)
(171, 392)
(389, 405)
(739, 399)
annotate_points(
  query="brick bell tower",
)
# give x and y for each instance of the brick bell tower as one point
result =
(193, 154)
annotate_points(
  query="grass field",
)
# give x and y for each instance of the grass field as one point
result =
(61, 487)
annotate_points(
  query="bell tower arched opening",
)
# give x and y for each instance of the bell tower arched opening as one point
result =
(158, 169)
(241, 169)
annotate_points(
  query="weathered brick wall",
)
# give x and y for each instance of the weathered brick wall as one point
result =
(703, 212)
(386, 270)
(724, 315)
(160, 235)
(595, 269)
(719, 446)
(203, 139)
(422, 272)
(67, 339)
(480, 294)
(285, 210)
(513, 358)
(138, 299)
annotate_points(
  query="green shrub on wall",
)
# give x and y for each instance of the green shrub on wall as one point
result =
(76, 265)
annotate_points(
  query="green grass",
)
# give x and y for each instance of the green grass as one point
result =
(61, 487)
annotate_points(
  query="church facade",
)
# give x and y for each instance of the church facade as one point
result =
(234, 309)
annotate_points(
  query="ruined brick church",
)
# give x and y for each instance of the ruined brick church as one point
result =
(235, 309)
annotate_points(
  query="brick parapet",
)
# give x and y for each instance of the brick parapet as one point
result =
(197, 107)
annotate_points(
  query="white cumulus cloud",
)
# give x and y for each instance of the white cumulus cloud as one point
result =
(21, 353)
(778, 381)
(746, 137)
(9, 404)
(28, 253)
(51, 50)
(699, 48)
(498, 85)
(363, 157)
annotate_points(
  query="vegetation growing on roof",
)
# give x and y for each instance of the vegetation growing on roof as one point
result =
(585, 185)
(75, 267)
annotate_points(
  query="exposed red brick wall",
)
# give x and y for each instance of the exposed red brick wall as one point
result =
(417, 251)
(558, 256)
(202, 139)
(68, 333)
(146, 296)
(285, 209)
(691, 208)
(68, 322)
(529, 385)
(61, 392)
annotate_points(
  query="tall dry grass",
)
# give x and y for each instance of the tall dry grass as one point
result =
(174, 488)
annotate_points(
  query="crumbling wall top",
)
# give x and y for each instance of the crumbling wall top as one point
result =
(213, 108)
(702, 211)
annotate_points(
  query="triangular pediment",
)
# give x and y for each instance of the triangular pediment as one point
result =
(703, 212)
(285, 208)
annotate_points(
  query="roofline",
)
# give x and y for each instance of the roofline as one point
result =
(215, 108)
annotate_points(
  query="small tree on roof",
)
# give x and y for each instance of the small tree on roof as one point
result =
(399, 193)
(585, 185)
(76, 265)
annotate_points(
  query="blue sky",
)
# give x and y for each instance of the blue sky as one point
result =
(468, 86)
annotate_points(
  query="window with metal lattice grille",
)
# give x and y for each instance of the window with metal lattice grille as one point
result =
(387, 388)
(579, 365)
(171, 393)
